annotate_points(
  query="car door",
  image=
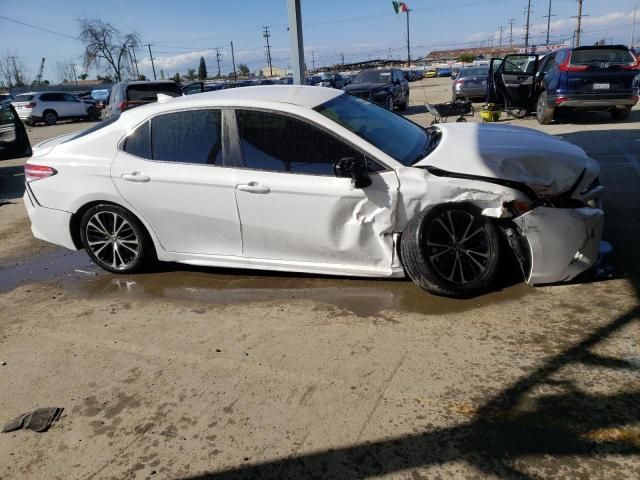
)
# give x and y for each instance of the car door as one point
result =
(292, 206)
(514, 80)
(170, 169)
(14, 141)
(75, 106)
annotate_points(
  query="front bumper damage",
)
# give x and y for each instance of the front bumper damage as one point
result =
(562, 242)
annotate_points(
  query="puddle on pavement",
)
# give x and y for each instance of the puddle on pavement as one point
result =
(78, 276)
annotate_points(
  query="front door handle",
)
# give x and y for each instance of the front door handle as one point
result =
(136, 177)
(253, 187)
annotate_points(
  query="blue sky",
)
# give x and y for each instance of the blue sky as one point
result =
(181, 32)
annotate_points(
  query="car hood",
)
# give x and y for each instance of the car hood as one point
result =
(365, 86)
(547, 164)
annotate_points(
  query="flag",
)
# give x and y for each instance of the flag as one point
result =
(400, 7)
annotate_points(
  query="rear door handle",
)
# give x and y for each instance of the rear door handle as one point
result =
(136, 177)
(253, 187)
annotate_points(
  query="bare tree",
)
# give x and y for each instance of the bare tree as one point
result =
(106, 46)
(13, 72)
(64, 72)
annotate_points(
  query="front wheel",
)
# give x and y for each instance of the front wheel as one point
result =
(451, 250)
(544, 113)
(115, 239)
(390, 104)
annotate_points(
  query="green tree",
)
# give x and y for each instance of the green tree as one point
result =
(191, 74)
(243, 70)
(466, 57)
(83, 76)
(176, 78)
(202, 69)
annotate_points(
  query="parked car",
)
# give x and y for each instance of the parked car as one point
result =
(590, 78)
(443, 71)
(101, 96)
(454, 73)
(471, 83)
(331, 80)
(313, 80)
(285, 80)
(418, 74)
(409, 75)
(127, 95)
(431, 73)
(14, 141)
(314, 180)
(49, 107)
(5, 98)
(385, 87)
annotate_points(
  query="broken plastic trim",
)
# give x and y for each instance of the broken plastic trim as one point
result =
(521, 187)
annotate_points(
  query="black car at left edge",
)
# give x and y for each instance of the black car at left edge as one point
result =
(386, 87)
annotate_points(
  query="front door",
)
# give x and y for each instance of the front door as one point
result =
(171, 171)
(74, 106)
(292, 206)
(514, 80)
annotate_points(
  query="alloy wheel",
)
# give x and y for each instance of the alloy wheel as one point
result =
(457, 246)
(112, 240)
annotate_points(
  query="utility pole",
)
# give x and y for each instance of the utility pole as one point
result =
(152, 65)
(135, 62)
(490, 41)
(548, 17)
(501, 29)
(526, 28)
(342, 59)
(390, 56)
(73, 65)
(408, 41)
(633, 27)
(233, 62)
(511, 22)
(313, 60)
(579, 29)
(297, 44)
(218, 60)
(266, 35)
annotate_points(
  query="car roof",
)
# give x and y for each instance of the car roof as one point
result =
(266, 96)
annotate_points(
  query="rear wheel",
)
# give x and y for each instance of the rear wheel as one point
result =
(50, 117)
(544, 113)
(451, 250)
(621, 113)
(115, 239)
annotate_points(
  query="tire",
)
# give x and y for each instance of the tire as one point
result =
(50, 117)
(544, 113)
(92, 115)
(404, 105)
(115, 239)
(389, 103)
(440, 267)
(621, 113)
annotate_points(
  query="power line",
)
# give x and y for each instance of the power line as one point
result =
(38, 28)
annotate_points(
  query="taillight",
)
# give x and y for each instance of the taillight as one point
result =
(567, 67)
(122, 106)
(560, 100)
(30, 105)
(633, 66)
(36, 172)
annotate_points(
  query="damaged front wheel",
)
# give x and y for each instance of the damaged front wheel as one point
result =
(451, 250)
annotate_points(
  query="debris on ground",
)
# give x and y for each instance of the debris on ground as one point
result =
(38, 420)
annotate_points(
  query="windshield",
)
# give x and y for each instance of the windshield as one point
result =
(474, 72)
(149, 92)
(396, 136)
(372, 76)
(611, 55)
(100, 94)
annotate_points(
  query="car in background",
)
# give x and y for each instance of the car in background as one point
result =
(5, 98)
(386, 87)
(264, 81)
(14, 141)
(288, 80)
(589, 78)
(331, 80)
(443, 71)
(127, 95)
(100, 96)
(418, 74)
(431, 73)
(49, 107)
(313, 80)
(409, 76)
(454, 73)
(314, 180)
(471, 83)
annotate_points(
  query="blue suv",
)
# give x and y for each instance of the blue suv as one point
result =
(593, 78)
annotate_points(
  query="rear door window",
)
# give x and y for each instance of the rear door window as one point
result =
(192, 136)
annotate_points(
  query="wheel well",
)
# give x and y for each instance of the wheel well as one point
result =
(49, 110)
(76, 218)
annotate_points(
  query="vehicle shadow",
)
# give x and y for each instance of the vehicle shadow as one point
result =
(593, 118)
(543, 422)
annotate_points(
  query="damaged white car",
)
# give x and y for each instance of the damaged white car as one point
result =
(306, 179)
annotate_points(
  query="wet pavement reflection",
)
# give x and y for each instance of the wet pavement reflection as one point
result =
(78, 276)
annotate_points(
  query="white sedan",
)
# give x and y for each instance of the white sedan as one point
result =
(306, 179)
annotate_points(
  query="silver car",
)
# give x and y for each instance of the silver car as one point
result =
(471, 83)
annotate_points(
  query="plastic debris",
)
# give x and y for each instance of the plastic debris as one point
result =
(38, 420)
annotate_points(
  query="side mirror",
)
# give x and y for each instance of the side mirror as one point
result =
(354, 168)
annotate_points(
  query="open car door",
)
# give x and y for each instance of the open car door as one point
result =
(14, 141)
(512, 81)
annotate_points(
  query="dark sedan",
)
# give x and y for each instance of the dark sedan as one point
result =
(385, 87)
(471, 83)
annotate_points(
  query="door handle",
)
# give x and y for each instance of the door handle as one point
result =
(253, 187)
(136, 177)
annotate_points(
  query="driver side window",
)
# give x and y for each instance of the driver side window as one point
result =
(280, 143)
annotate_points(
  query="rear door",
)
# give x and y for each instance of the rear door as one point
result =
(600, 70)
(514, 79)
